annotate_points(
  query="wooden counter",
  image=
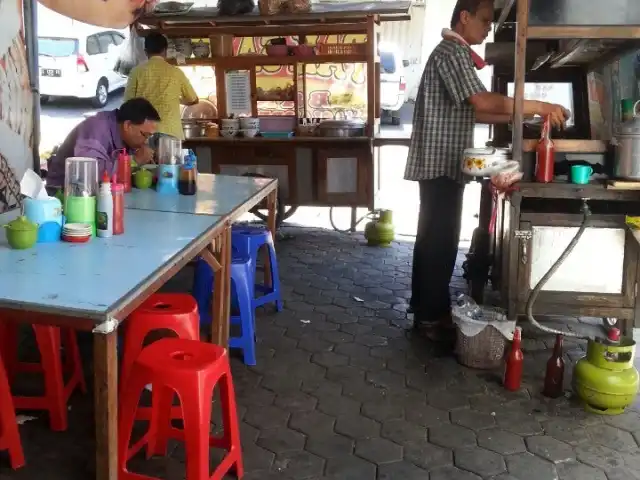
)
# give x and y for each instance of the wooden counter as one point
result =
(273, 141)
(311, 171)
(570, 191)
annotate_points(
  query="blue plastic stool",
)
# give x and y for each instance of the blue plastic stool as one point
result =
(241, 294)
(246, 242)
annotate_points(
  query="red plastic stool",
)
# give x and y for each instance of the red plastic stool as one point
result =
(56, 392)
(9, 435)
(177, 312)
(190, 369)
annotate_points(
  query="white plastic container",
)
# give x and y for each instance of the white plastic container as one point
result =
(104, 217)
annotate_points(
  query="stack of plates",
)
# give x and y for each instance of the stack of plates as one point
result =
(76, 232)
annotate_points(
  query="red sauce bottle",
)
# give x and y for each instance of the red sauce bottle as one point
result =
(554, 377)
(513, 368)
(545, 154)
(124, 170)
(117, 190)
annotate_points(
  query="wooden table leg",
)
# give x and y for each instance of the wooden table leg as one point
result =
(220, 305)
(272, 203)
(105, 366)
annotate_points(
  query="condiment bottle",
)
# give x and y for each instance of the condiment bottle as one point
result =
(104, 220)
(513, 367)
(124, 170)
(118, 208)
(187, 180)
(554, 377)
(545, 154)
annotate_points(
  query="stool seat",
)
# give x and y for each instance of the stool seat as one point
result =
(191, 370)
(241, 295)
(57, 391)
(247, 241)
(174, 312)
(9, 435)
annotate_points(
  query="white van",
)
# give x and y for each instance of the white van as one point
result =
(393, 83)
(80, 64)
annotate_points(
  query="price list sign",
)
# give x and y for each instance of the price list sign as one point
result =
(238, 86)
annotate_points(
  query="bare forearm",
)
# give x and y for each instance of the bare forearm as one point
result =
(489, 102)
(492, 118)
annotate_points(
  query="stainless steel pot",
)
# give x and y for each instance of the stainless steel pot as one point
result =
(194, 130)
(341, 128)
(627, 143)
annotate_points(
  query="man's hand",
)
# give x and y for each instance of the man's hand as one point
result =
(557, 113)
(144, 155)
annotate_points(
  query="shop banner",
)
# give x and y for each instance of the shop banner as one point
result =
(16, 105)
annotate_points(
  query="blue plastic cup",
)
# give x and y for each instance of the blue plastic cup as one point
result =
(581, 174)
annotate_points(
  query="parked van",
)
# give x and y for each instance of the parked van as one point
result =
(80, 63)
(393, 83)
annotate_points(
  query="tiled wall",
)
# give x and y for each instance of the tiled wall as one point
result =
(16, 122)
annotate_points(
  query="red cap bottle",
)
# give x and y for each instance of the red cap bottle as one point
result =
(513, 367)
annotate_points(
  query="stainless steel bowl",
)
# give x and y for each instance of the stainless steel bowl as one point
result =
(341, 128)
(194, 130)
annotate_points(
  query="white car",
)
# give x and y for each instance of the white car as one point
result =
(80, 64)
(393, 83)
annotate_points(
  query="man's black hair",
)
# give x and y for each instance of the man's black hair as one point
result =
(137, 111)
(471, 6)
(155, 44)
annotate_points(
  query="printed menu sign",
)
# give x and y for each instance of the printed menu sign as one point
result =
(238, 86)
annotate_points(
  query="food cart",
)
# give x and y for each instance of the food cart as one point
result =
(560, 42)
(324, 68)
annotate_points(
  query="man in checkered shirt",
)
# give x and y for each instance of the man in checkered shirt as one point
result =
(450, 101)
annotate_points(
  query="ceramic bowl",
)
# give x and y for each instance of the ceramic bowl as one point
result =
(228, 132)
(249, 132)
(76, 239)
(76, 228)
(249, 122)
(231, 122)
(21, 239)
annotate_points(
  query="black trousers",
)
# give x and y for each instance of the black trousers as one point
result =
(436, 248)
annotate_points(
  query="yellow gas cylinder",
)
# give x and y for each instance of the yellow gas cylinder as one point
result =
(380, 232)
(605, 379)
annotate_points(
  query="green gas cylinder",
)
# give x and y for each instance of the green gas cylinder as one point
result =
(380, 232)
(605, 379)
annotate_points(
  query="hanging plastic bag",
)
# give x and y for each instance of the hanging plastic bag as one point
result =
(131, 54)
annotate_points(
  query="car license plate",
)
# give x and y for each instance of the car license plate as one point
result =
(50, 72)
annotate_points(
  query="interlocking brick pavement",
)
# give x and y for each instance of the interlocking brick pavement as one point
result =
(345, 390)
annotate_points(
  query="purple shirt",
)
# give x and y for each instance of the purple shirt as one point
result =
(96, 137)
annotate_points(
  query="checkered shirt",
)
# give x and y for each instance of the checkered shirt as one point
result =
(443, 121)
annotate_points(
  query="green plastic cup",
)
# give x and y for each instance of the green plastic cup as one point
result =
(81, 210)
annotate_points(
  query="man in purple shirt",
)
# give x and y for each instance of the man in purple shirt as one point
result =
(102, 135)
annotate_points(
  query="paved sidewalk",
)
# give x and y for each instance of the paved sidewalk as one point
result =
(343, 390)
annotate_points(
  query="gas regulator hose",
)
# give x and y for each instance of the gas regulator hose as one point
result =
(586, 214)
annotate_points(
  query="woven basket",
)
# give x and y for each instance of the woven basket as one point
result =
(484, 350)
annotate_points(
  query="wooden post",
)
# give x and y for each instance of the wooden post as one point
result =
(522, 18)
(372, 80)
(105, 368)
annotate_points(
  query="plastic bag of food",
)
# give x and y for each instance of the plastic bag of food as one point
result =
(235, 7)
(297, 6)
(131, 54)
(270, 7)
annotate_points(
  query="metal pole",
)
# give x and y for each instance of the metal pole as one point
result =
(30, 18)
